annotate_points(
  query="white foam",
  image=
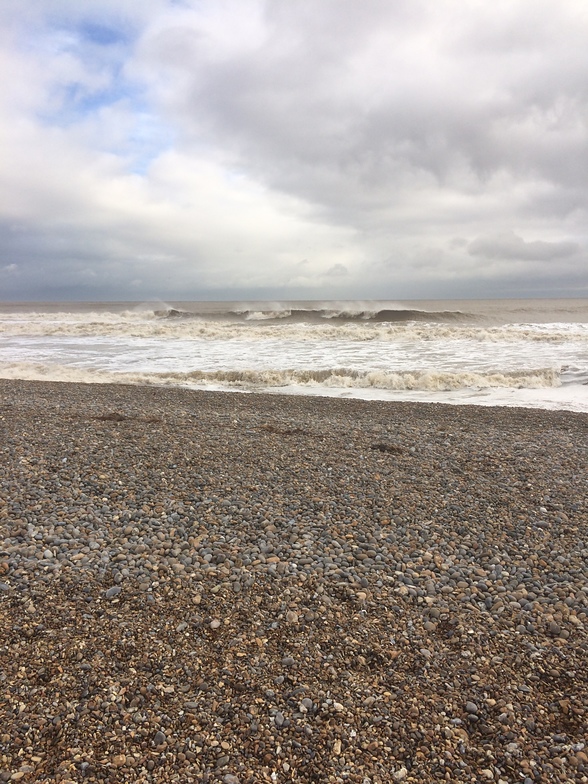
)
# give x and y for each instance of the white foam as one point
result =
(544, 393)
(339, 378)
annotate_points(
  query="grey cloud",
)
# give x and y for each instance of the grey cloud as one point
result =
(337, 270)
(508, 245)
(350, 118)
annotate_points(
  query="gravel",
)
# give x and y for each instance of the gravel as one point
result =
(243, 588)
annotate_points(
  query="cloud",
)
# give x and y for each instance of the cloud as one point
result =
(207, 147)
(508, 245)
(337, 270)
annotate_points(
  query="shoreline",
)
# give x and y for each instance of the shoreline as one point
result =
(204, 586)
(324, 394)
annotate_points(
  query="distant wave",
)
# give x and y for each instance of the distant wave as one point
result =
(317, 316)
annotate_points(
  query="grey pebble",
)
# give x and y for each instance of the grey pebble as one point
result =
(113, 591)
(159, 738)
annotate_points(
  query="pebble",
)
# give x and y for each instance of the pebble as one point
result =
(159, 738)
(352, 589)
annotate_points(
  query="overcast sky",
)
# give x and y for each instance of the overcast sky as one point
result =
(223, 149)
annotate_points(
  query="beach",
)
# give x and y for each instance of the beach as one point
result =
(219, 587)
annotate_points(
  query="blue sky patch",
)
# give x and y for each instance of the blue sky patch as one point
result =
(103, 35)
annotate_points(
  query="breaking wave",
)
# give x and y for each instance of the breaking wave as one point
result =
(259, 380)
(147, 325)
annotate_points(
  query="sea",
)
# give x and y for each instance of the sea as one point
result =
(508, 352)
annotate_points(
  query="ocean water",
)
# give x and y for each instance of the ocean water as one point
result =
(530, 353)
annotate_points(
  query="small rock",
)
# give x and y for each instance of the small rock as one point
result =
(113, 591)
(287, 661)
(279, 719)
(230, 779)
(471, 707)
(215, 624)
(400, 774)
(159, 738)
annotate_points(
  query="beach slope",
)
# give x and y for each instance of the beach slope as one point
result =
(234, 588)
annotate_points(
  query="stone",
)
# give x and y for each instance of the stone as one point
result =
(159, 738)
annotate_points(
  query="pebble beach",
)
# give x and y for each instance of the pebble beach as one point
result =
(241, 588)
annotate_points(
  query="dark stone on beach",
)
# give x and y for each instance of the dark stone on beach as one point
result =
(159, 738)
(393, 449)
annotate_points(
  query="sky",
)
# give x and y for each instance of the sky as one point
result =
(293, 149)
